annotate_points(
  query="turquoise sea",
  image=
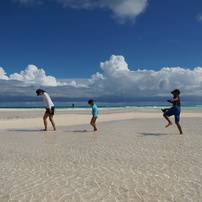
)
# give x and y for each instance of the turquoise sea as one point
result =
(100, 104)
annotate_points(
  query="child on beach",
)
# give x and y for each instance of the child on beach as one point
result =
(94, 113)
(49, 108)
(174, 110)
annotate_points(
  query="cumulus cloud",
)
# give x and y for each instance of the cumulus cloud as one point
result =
(115, 82)
(75, 84)
(118, 79)
(33, 75)
(121, 9)
(3, 74)
(95, 78)
(114, 65)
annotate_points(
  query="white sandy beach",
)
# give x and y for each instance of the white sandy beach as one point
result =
(133, 157)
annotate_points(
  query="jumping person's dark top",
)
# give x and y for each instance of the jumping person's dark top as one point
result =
(176, 103)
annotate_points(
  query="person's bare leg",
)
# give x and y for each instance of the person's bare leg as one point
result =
(45, 121)
(164, 110)
(93, 124)
(179, 127)
(169, 121)
(52, 122)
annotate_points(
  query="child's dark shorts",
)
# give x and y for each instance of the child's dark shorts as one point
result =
(175, 110)
(52, 111)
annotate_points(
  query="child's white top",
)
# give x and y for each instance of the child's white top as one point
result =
(47, 100)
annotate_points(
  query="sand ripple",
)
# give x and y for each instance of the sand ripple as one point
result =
(125, 161)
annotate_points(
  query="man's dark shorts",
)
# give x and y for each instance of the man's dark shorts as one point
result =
(52, 111)
(174, 111)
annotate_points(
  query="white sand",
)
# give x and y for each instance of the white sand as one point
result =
(32, 118)
(133, 157)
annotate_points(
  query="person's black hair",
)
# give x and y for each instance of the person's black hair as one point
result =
(177, 91)
(90, 101)
(38, 91)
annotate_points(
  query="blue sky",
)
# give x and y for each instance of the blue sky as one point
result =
(70, 43)
(44, 41)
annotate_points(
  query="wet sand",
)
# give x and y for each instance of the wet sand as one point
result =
(133, 157)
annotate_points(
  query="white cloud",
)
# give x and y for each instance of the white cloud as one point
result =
(126, 9)
(96, 77)
(122, 9)
(3, 74)
(199, 17)
(119, 80)
(115, 82)
(75, 84)
(33, 75)
(30, 2)
(115, 65)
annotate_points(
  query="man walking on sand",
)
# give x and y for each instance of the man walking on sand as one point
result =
(49, 108)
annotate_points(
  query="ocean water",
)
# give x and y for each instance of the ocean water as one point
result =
(100, 104)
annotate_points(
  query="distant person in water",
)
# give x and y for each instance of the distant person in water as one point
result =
(50, 109)
(174, 110)
(94, 114)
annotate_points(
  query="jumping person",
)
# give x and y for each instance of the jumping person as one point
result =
(94, 113)
(174, 110)
(49, 108)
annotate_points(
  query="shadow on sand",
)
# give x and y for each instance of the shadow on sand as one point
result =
(24, 130)
(153, 134)
(80, 131)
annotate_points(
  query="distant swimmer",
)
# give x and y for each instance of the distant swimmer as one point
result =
(50, 109)
(174, 110)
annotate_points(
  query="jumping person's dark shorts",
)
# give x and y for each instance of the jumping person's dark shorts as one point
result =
(174, 111)
(52, 111)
